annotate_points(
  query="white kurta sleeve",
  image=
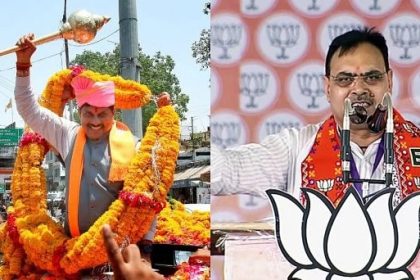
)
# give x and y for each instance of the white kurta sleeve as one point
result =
(251, 168)
(56, 130)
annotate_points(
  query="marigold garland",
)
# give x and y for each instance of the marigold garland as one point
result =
(188, 271)
(43, 246)
(197, 267)
(128, 94)
(175, 225)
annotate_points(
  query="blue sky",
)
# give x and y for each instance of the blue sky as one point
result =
(167, 26)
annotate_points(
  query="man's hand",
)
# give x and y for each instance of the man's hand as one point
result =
(127, 263)
(163, 99)
(28, 48)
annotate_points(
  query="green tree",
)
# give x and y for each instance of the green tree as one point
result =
(155, 71)
(201, 48)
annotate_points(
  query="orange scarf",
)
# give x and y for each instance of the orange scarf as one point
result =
(323, 164)
(122, 149)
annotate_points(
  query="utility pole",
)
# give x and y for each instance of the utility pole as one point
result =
(192, 138)
(128, 59)
(66, 53)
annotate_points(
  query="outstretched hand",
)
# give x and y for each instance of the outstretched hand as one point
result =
(28, 48)
(163, 99)
(127, 263)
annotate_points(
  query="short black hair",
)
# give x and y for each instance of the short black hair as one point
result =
(352, 39)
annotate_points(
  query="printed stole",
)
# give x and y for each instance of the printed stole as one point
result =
(321, 169)
(122, 149)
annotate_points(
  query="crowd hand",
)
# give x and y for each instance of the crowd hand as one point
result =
(127, 263)
(27, 48)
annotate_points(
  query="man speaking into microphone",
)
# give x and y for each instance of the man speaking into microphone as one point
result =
(383, 148)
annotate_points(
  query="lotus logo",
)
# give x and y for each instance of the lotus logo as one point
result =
(417, 181)
(325, 185)
(353, 241)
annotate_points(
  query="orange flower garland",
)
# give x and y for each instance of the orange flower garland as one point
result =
(191, 272)
(197, 267)
(40, 239)
(128, 94)
(51, 96)
(175, 225)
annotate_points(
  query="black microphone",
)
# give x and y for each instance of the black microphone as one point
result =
(389, 139)
(358, 114)
(377, 121)
(345, 141)
(381, 119)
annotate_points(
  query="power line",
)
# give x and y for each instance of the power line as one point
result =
(7, 80)
(61, 52)
(95, 42)
(2, 93)
(44, 58)
(6, 85)
(35, 61)
(8, 90)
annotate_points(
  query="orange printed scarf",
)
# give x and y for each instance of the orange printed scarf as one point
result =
(321, 169)
(122, 149)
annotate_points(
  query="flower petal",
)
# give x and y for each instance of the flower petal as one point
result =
(308, 274)
(289, 214)
(407, 218)
(361, 277)
(317, 214)
(350, 238)
(398, 275)
(382, 216)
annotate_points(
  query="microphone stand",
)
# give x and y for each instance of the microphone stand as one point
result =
(388, 145)
(389, 139)
(345, 142)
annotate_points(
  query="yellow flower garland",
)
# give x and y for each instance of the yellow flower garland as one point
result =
(175, 225)
(128, 94)
(41, 240)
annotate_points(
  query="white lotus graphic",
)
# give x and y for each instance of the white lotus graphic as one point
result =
(357, 241)
(325, 185)
(417, 181)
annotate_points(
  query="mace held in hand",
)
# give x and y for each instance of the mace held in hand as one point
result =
(80, 27)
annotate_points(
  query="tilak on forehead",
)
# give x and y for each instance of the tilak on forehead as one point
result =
(97, 94)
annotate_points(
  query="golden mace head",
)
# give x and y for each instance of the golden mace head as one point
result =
(82, 26)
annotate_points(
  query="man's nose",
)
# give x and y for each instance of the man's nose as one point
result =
(359, 81)
(359, 87)
(95, 120)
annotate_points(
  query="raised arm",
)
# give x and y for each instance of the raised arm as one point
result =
(56, 130)
(251, 168)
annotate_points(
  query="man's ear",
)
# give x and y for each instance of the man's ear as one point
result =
(327, 85)
(389, 76)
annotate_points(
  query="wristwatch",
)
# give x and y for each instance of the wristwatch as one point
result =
(146, 246)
